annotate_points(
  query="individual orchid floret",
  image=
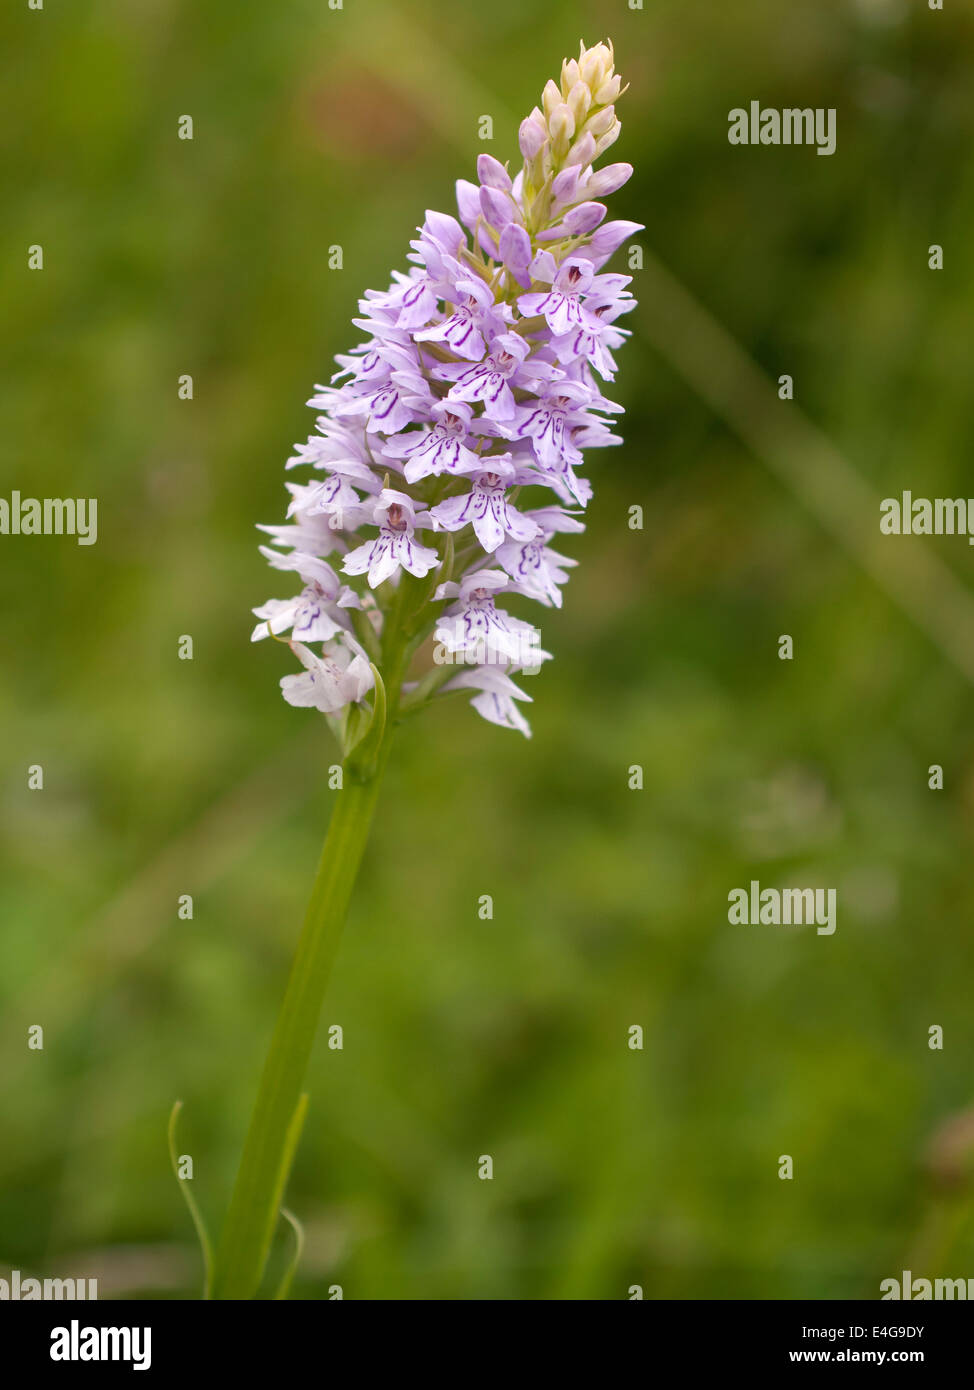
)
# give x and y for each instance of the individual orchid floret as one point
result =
(606, 241)
(340, 676)
(308, 535)
(442, 449)
(551, 420)
(397, 517)
(311, 568)
(313, 615)
(515, 251)
(490, 381)
(336, 498)
(486, 507)
(477, 628)
(535, 569)
(562, 305)
(496, 698)
(474, 311)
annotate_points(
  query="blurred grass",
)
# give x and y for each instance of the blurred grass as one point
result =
(165, 777)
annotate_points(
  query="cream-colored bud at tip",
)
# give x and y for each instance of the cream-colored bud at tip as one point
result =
(580, 99)
(609, 91)
(591, 71)
(550, 97)
(569, 75)
(561, 123)
(595, 65)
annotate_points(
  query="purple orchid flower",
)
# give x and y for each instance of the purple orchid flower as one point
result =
(395, 547)
(481, 362)
(486, 507)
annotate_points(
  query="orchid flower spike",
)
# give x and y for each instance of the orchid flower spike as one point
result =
(446, 472)
(479, 377)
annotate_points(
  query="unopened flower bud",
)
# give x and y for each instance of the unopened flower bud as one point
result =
(591, 71)
(561, 124)
(608, 180)
(569, 75)
(585, 218)
(583, 151)
(595, 65)
(516, 251)
(492, 173)
(580, 99)
(565, 184)
(496, 207)
(550, 97)
(468, 201)
(600, 122)
(609, 91)
(610, 237)
(532, 134)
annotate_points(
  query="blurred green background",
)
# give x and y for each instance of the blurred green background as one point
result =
(613, 1167)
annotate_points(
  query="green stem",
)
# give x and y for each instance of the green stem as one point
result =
(276, 1120)
(259, 1189)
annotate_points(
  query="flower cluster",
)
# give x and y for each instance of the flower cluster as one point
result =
(480, 376)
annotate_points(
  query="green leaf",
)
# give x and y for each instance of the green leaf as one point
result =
(194, 1211)
(284, 1287)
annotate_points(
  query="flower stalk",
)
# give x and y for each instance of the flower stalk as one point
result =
(272, 1138)
(259, 1191)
